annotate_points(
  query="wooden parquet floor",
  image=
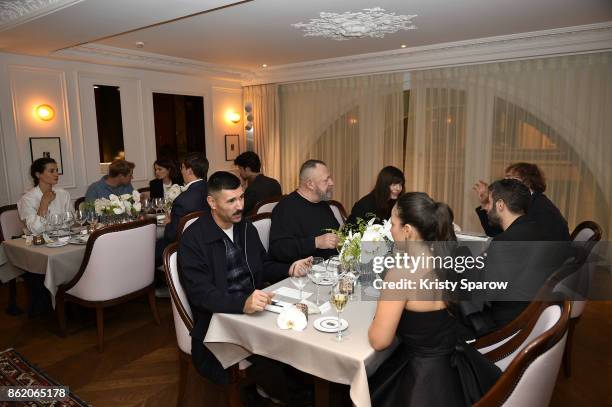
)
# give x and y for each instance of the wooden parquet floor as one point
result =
(139, 366)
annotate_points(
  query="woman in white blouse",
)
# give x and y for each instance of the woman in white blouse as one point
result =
(44, 198)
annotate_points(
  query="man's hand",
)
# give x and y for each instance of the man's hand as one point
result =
(326, 241)
(300, 267)
(257, 301)
(482, 191)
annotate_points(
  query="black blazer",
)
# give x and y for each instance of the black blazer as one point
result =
(543, 212)
(156, 187)
(203, 274)
(191, 200)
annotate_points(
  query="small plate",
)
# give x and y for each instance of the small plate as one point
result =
(325, 281)
(58, 243)
(330, 324)
(78, 240)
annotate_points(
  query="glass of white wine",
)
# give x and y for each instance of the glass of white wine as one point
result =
(339, 298)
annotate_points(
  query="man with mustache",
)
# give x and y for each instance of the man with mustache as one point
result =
(222, 266)
(300, 220)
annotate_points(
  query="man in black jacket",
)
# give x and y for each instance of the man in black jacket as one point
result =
(541, 210)
(194, 169)
(222, 266)
(258, 186)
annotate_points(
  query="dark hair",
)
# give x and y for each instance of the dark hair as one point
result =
(248, 159)
(513, 192)
(386, 177)
(222, 180)
(38, 166)
(198, 164)
(308, 165)
(530, 174)
(170, 165)
(433, 220)
(120, 167)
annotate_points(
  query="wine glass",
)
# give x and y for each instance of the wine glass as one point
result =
(80, 216)
(92, 219)
(339, 298)
(145, 205)
(316, 274)
(299, 282)
(54, 221)
(68, 220)
(158, 204)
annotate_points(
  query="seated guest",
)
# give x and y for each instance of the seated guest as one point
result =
(258, 186)
(44, 198)
(118, 181)
(301, 219)
(166, 174)
(223, 266)
(541, 210)
(431, 354)
(194, 168)
(513, 256)
(389, 186)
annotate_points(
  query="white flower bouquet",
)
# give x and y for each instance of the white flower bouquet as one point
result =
(119, 205)
(174, 191)
(362, 242)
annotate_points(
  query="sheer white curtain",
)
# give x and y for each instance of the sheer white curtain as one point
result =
(468, 123)
(353, 124)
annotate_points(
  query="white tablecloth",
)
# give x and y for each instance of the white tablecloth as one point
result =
(234, 337)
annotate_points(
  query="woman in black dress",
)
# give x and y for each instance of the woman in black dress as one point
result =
(166, 174)
(389, 186)
(432, 365)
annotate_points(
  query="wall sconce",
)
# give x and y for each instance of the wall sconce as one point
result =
(45, 112)
(233, 117)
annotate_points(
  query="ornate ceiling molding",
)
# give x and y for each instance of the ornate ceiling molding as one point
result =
(103, 54)
(561, 41)
(16, 12)
(370, 22)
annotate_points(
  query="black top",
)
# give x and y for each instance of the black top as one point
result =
(543, 212)
(260, 189)
(366, 206)
(202, 266)
(431, 366)
(295, 223)
(191, 200)
(156, 186)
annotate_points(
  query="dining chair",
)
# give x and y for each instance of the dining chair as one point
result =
(262, 223)
(339, 211)
(530, 361)
(186, 221)
(265, 205)
(106, 278)
(11, 225)
(78, 202)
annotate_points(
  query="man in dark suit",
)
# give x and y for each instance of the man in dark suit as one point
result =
(222, 266)
(517, 256)
(542, 211)
(194, 168)
(258, 186)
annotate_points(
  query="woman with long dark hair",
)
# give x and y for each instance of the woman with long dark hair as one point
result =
(44, 198)
(389, 186)
(432, 365)
(166, 174)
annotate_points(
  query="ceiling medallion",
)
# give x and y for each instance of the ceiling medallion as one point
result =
(370, 22)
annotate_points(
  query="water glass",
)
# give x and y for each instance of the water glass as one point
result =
(316, 274)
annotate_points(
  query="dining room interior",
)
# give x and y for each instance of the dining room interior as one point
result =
(207, 202)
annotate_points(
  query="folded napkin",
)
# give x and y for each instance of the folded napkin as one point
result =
(292, 318)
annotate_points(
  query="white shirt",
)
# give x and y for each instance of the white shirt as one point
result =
(229, 232)
(30, 201)
(166, 189)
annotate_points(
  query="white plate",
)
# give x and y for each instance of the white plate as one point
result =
(326, 281)
(78, 240)
(58, 243)
(329, 324)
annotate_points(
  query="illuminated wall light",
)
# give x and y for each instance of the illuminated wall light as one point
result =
(44, 112)
(233, 117)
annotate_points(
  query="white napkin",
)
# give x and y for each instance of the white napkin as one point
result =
(291, 293)
(292, 318)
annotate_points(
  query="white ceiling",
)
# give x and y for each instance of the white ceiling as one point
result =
(251, 33)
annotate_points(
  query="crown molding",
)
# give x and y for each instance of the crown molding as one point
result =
(17, 12)
(106, 55)
(560, 41)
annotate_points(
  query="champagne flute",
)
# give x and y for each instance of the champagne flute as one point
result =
(316, 274)
(339, 298)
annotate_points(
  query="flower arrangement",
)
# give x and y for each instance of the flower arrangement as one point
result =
(362, 242)
(174, 191)
(118, 205)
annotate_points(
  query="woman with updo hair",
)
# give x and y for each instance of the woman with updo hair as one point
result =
(44, 198)
(432, 365)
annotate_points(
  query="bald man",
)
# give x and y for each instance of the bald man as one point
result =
(300, 220)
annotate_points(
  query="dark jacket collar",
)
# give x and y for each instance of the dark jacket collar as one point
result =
(520, 220)
(212, 231)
